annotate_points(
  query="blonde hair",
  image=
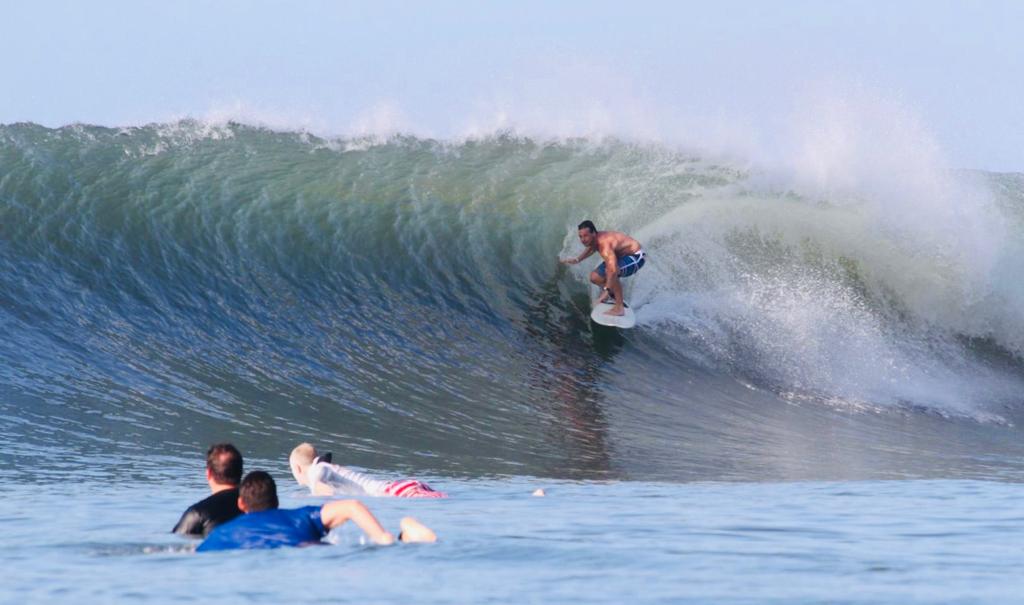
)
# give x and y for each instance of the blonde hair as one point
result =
(302, 456)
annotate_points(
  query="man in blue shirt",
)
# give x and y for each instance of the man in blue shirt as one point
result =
(264, 525)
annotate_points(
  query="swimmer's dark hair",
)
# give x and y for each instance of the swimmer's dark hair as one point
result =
(258, 492)
(587, 225)
(224, 462)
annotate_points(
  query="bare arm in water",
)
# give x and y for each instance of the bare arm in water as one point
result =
(334, 514)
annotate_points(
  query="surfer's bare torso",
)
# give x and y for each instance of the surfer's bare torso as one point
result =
(612, 243)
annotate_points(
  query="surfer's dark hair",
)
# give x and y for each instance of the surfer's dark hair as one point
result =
(224, 462)
(587, 225)
(258, 492)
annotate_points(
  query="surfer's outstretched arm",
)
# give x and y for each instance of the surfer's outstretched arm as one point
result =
(578, 259)
(338, 512)
(414, 531)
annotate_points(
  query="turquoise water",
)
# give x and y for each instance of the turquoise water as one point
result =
(821, 401)
(818, 542)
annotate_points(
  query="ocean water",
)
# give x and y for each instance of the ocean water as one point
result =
(821, 401)
(936, 541)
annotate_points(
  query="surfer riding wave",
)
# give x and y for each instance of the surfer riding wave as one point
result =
(623, 256)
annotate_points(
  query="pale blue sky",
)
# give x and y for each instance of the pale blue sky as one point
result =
(716, 73)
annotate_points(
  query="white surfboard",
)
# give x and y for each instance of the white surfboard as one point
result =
(600, 315)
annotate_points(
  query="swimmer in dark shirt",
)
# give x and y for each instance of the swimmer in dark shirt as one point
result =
(264, 525)
(223, 474)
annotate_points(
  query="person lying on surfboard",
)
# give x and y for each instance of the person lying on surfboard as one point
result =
(265, 525)
(327, 479)
(623, 256)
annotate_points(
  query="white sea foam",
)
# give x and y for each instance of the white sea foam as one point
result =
(853, 263)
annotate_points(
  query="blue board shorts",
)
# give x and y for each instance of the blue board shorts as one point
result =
(628, 265)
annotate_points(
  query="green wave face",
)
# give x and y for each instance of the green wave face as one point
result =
(403, 295)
